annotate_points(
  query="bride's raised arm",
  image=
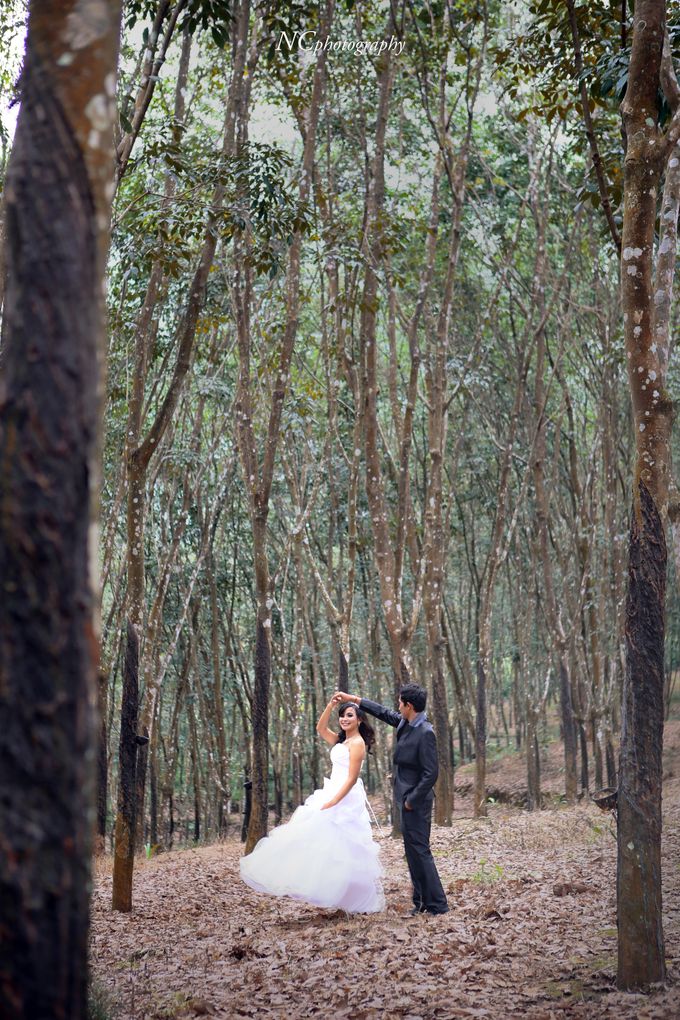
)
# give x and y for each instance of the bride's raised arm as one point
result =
(322, 726)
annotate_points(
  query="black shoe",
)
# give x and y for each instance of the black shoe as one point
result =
(417, 910)
(444, 911)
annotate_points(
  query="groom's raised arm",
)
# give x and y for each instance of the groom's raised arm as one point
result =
(387, 715)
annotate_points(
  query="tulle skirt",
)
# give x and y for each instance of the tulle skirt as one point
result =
(327, 858)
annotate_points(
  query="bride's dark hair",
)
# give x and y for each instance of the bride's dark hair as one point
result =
(365, 728)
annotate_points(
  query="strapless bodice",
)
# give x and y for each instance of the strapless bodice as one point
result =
(340, 755)
(340, 761)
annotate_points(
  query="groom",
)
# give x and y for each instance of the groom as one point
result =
(415, 773)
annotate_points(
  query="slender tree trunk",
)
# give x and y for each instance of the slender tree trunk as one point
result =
(140, 784)
(480, 809)
(583, 743)
(533, 764)
(387, 557)
(543, 513)
(102, 762)
(257, 826)
(568, 730)
(124, 854)
(57, 199)
(611, 761)
(195, 770)
(153, 790)
(485, 599)
(223, 763)
(156, 44)
(247, 808)
(443, 814)
(597, 755)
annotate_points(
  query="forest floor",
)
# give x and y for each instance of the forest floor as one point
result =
(531, 930)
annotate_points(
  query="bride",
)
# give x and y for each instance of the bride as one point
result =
(325, 854)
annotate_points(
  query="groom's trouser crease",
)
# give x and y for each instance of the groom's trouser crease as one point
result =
(428, 893)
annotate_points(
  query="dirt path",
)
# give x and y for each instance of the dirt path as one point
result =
(199, 943)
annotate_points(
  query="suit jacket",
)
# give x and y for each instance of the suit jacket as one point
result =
(415, 756)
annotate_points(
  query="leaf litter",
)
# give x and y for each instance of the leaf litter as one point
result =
(531, 930)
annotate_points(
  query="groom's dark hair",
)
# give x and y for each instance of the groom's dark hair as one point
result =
(414, 695)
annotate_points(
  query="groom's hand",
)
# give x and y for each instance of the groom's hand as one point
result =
(407, 806)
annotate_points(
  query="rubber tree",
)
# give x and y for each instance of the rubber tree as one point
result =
(646, 295)
(58, 197)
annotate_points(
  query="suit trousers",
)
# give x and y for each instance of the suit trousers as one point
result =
(428, 894)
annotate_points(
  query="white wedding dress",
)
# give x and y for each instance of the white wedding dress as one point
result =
(327, 858)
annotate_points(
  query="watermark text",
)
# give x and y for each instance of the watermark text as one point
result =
(309, 42)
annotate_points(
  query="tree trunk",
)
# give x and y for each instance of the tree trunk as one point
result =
(57, 211)
(597, 756)
(583, 743)
(568, 731)
(611, 762)
(533, 765)
(641, 942)
(247, 808)
(153, 790)
(140, 786)
(124, 852)
(223, 763)
(640, 929)
(277, 777)
(480, 741)
(443, 809)
(259, 791)
(102, 763)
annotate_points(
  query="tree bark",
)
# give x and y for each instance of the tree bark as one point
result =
(124, 853)
(102, 762)
(583, 743)
(640, 930)
(641, 942)
(57, 211)
(568, 730)
(480, 810)
(533, 764)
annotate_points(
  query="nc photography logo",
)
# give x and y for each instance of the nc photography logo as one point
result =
(309, 43)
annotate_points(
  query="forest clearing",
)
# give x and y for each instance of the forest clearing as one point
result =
(531, 931)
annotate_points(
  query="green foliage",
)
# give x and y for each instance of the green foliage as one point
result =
(487, 873)
(208, 15)
(13, 14)
(100, 1004)
(289, 20)
(265, 204)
